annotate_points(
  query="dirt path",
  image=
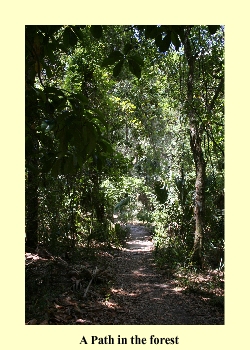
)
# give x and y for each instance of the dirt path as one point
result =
(132, 291)
(143, 296)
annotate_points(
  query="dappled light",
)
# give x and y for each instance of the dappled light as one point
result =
(124, 174)
(139, 292)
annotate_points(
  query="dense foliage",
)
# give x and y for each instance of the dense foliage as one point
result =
(126, 121)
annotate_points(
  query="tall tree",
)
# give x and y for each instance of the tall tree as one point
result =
(33, 66)
(196, 132)
(63, 128)
(196, 147)
(197, 44)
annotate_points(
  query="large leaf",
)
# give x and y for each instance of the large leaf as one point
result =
(118, 67)
(158, 40)
(69, 165)
(113, 57)
(81, 98)
(80, 159)
(106, 146)
(137, 58)
(53, 90)
(78, 32)
(96, 113)
(50, 30)
(78, 140)
(151, 31)
(128, 47)
(72, 38)
(47, 162)
(213, 28)
(134, 68)
(165, 43)
(41, 95)
(57, 97)
(90, 146)
(92, 132)
(69, 37)
(96, 31)
(56, 167)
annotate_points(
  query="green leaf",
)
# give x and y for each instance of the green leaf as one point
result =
(213, 28)
(95, 114)
(91, 146)
(158, 40)
(66, 36)
(113, 57)
(53, 90)
(106, 146)
(99, 162)
(53, 29)
(99, 115)
(47, 161)
(83, 137)
(96, 31)
(165, 43)
(78, 32)
(151, 31)
(56, 168)
(72, 38)
(68, 166)
(80, 158)
(77, 140)
(137, 58)
(91, 130)
(41, 95)
(81, 97)
(134, 68)
(69, 37)
(117, 69)
(128, 47)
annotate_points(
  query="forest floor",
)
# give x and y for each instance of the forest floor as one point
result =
(130, 290)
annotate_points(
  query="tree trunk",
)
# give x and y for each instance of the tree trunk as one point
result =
(31, 143)
(199, 202)
(31, 201)
(195, 144)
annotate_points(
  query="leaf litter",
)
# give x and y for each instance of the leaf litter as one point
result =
(128, 289)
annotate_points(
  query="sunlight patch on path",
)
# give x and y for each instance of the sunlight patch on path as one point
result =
(138, 239)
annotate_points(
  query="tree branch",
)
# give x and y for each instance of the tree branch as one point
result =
(216, 94)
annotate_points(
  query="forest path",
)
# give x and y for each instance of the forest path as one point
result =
(143, 296)
(131, 290)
